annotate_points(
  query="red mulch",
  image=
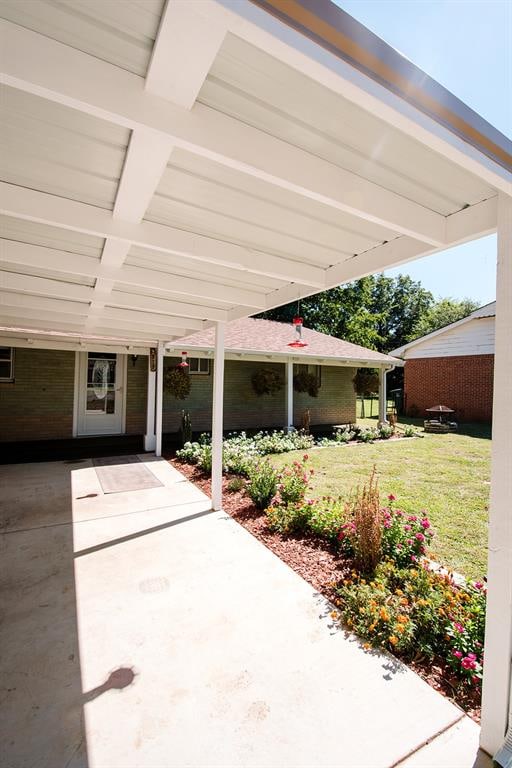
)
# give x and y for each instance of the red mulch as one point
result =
(322, 568)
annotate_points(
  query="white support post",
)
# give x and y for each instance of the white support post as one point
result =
(383, 396)
(217, 416)
(289, 395)
(159, 397)
(150, 436)
(498, 632)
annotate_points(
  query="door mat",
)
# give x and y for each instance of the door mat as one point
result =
(124, 473)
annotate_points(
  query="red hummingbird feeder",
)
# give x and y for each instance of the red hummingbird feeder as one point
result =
(183, 363)
(298, 343)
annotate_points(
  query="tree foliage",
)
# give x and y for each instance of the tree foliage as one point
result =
(443, 312)
(377, 312)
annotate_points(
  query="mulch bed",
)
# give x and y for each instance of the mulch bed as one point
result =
(321, 567)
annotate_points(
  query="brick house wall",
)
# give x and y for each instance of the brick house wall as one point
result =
(38, 404)
(463, 383)
(243, 409)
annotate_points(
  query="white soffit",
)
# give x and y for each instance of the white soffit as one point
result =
(127, 213)
(121, 32)
(262, 91)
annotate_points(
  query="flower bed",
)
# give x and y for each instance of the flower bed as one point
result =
(240, 451)
(371, 561)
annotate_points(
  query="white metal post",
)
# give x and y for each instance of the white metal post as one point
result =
(498, 632)
(383, 396)
(159, 397)
(150, 436)
(289, 395)
(217, 416)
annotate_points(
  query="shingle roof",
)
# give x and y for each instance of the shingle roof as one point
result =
(254, 336)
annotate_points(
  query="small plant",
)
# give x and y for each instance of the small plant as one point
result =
(236, 484)
(177, 382)
(367, 434)
(404, 537)
(304, 381)
(293, 482)
(265, 381)
(205, 459)
(262, 484)
(386, 431)
(409, 431)
(363, 529)
(289, 518)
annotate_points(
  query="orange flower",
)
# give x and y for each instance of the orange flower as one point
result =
(372, 627)
(367, 646)
(393, 639)
(402, 619)
(384, 614)
(404, 601)
(334, 614)
(399, 628)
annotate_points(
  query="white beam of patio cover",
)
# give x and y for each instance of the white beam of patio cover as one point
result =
(497, 680)
(218, 415)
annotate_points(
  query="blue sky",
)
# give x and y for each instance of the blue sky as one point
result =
(466, 46)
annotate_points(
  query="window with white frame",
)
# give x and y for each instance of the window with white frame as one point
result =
(199, 365)
(6, 364)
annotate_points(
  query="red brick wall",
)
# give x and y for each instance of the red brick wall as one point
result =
(462, 383)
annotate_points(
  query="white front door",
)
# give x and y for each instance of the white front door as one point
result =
(101, 393)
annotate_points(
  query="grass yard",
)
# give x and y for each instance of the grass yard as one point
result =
(447, 475)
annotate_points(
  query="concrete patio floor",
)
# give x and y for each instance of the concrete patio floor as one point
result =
(141, 629)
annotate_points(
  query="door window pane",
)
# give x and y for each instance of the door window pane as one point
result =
(101, 379)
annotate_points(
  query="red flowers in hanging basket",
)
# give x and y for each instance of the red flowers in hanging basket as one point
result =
(297, 324)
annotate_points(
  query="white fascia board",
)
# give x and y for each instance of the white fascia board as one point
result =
(86, 345)
(175, 350)
(38, 65)
(265, 31)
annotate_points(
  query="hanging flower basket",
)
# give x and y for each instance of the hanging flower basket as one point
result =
(306, 382)
(177, 382)
(266, 382)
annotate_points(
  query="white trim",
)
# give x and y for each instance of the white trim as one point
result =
(150, 434)
(159, 398)
(497, 678)
(261, 356)
(218, 416)
(289, 394)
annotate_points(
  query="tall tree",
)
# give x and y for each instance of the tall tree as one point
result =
(443, 312)
(376, 312)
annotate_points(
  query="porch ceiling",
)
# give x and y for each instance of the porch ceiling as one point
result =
(153, 184)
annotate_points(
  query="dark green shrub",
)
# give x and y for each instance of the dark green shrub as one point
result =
(262, 484)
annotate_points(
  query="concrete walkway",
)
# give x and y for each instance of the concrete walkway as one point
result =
(142, 630)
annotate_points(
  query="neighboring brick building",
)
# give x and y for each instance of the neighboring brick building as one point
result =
(51, 394)
(452, 366)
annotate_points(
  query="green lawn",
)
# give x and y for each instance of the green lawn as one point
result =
(446, 475)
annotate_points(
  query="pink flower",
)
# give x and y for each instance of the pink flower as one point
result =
(420, 537)
(468, 663)
(413, 558)
(387, 524)
(458, 626)
(305, 457)
(412, 518)
(407, 527)
(472, 656)
(391, 497)
(425, 523)
(408, 541)
(457, 654)
(479, 585)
